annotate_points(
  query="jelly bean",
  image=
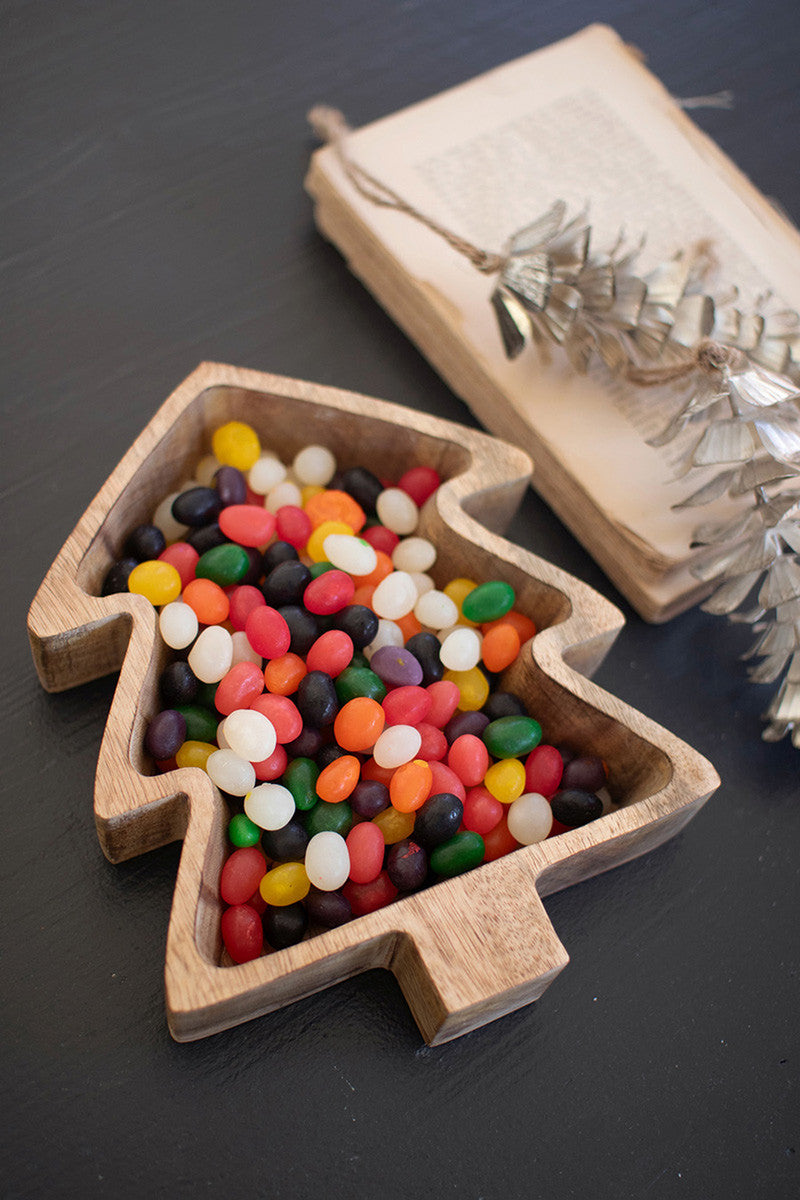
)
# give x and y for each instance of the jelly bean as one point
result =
(410, 785)
(414, 554)
(365, 846)
(242, 600)
(407, 865)
(337, 817)
(586, 772)
(327, 861)
(269, 806)
(268, 632)
(315, 546)
(397, 745)
(488, 601)
(242, 831)
(461, 649)
(465, 722)
(336, 507)
(511, 737)
(481, 810)
(444, 779)
(285, 583)
(338, 779)
(314, 464)
(505, 780)
(272, 767)
(369, 797)
(206, 537)
(238, 688)
(265, 473)
(504, 704)
(461, 853)
(371, 770)
(389, 634)
(458, 589)
(282, 675)
(307, 744)
(350, 553)
(409, 626)
(300, 778)
(394, 825)
(444, 696)
(178, 625)
(469, 758)
(329, 909)
(544, 767)
(241, 874)
(226, 564)
(162, 517)
(525, 627)
(407, 705)
(211, 656)
(433, 743)
(165, 734)
(303, 627)
(396, 667)
(420, 483)
(394, 596)
(438, 819)
(242, 933)
(201, 724)
(236, 444)
(282, 713)
(205, 470)
(369, 897)
(194, 754)
(285, 926)
(158, 582)
(242, 650)
(499, 841)
(183, 558)
(359, 623)
(208, 601)
(500, 647)
(397, 511)
(285, 884)
(316, 699)
(382, 570)
(331, 653)
(178, 684)
(363, 486)
(319, 568)
(436, 610)
(231, 772)
(250, 734)
(330, 593)
(530, 818)
(359, 724)
(283, 494)
(359, 681)
(145, 542)
(425, 647)
(278, 552)
(381, 538)
(231, 486)
(574, 807)
(117, 576)
(196, 507)
(293, 525)
(246, 524)
(287, 844)
(473, 687)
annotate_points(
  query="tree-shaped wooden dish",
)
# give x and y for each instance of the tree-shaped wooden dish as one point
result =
(468, 949)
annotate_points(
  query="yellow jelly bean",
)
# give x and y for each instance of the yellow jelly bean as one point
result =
(236, 445)
(309, 490)
(457, 590)
(473, 687)
(505, 780)
(314, 548)
(394, 825)
(158, 582)
(194, 754)
(285, 884)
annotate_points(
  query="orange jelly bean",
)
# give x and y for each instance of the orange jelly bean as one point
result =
(282, 675)
(384, 567)
(338, 779)
(523, 625)
(410, 785)
(500, 646)
(359, 723)
(333, 505)
(209, 602)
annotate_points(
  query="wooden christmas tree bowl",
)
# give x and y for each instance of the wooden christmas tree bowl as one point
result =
(466, 950)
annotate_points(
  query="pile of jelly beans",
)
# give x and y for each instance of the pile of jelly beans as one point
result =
(346, 706)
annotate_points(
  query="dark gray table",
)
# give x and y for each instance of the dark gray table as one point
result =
(153, 216)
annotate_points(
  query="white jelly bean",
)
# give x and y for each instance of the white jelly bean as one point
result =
(349, 553)
(414, 554)
(397, 511)
(530, 818)
(231, 773)
(389, 634)
(212, 654)
(436, 610)
(314, 464)
(327, 861)
(265, 474)
(206, 469)
(461, 649)
(222, 741)
(422, 582)
(270, 806)
(250, 734)
(395, 596)
(178, 625)
(242, 650)
(397, 745)
(283, 493)
(172, 530)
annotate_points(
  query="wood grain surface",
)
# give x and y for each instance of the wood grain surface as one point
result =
(153, 217)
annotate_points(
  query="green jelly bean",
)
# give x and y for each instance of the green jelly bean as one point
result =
(225, 564)
(242, 831)
(359, 681)
(511, 737)
(359, 659)
(201, 724)
(461, 852)
(325, 817)
(488, 601)
(320, 568)
(300, 777)
(207, 696)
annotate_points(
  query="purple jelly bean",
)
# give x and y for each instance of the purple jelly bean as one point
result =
(395, 666)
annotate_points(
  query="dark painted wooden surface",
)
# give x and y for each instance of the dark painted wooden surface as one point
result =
(153, 216)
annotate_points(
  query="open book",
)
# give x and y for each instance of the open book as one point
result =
(582, 121)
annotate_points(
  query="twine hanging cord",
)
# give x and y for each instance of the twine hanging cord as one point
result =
(330, 126)
(708, 356)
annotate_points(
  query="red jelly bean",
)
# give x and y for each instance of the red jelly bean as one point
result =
(183, 558)
(498, 841)
(446, 780)
(433, 746)
(366, 846)
(242, 933)
(284, 715)
(469, 758)
(407, 705)
(267, 632)
(331, 653)
(445, 696)
(329, 593)
(368, 897)
(481, 810)
(247, 524)
(272, 767)
(239, 688)
(543, 769)
(241, 874)
(293, 525)
(381, 538)
(419, 483)
(243, 599)
(371, 770)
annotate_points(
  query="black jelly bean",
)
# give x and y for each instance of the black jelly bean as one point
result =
(465, 722)
(438, 819)
(328, 908)
(279, 552)
(231, 486)
(368, 798)
(306, 744)
(196, 507)
(363, 486)
(425, 647)
(573, 807)
(207, 537)
(287, 844)
(316, 699)
(256, 568)
(178, 684)
(407, 865)
(328, 754)
(587, 773)
(504, 704)
(285, 583)
(285, 925)
(145, 542)
(165, 735)
(359, 623)
(303, 627)
(116, 579)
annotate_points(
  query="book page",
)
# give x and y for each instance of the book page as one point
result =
(583, 122)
